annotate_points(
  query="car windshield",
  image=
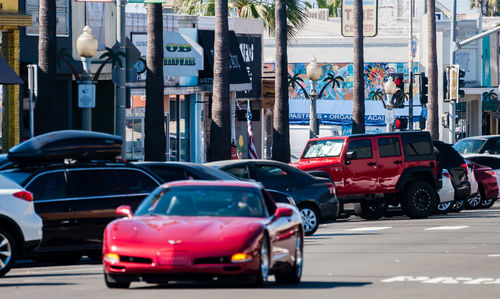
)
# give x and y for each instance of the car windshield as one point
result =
(204, 201)
(323, 148)
(466, 146)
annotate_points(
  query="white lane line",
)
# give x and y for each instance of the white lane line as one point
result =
(375, 228)
(448, 227)
(494, 255)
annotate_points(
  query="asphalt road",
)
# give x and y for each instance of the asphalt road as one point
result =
(451, 256)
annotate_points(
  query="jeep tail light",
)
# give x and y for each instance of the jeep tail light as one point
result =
(464, 166)
(332, 189)
(26, 195)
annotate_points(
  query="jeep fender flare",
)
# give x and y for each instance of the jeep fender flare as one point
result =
(426, 172)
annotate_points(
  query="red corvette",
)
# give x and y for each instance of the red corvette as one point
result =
(204, 229)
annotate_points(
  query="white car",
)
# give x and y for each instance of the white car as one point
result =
(20, 226)
(446, 193)
(474, 200)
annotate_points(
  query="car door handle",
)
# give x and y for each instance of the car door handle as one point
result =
(371, 163)
(398, 162)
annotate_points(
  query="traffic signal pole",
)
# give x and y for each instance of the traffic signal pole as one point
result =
(452, 62)
(410, 68)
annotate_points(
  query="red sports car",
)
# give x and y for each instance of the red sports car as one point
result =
(204, 229)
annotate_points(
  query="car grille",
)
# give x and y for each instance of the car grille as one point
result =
(212, 260)
(133, 259)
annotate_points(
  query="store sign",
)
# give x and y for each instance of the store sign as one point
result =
(268, 93)
(251, 51)
(181, 55)
(370, 18)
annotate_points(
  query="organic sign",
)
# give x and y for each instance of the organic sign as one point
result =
(370, 18)
(181, 56)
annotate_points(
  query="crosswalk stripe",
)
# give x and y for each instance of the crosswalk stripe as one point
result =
(494, 255)
(370, 228)
(447, 227)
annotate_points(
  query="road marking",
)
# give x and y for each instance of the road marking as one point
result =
(443, 280)
(375, 228)
(447, 227)
(494, 255)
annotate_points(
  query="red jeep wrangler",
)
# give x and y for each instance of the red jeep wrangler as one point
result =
(377, 170)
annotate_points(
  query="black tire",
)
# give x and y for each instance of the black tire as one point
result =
(473, 202)
(8, 251)
(262, 275)
(456, 206)
(113, 282)
(295, 274)
(419, 200)
(310, 218)
(370, 210)
(60, 259)
(486, 203)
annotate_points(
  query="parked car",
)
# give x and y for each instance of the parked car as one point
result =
(489, 144)
(446, 193)
(376, 170)
(487, 169)
(448, 158)
(315, 197)
(20, 226)
(176, 171)
(242, 231)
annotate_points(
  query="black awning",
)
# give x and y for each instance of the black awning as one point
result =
(237, 69)
(7, 74)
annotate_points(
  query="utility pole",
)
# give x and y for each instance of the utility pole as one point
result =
(410, 68)
(120, 80)
(452, 62)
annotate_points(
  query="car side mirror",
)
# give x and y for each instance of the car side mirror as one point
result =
(351, 155)
(283, 212)
(124, 211)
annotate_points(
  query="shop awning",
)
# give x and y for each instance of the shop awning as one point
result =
(14, 19)
(7, 74)
(237, 69)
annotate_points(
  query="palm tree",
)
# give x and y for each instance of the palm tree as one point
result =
(111, 55)
(296, 80)
(220, 127)
(490, 7)
(332, 5)
(281, 128)
(432, 106)
(492, 97)
(154, 139)
(333, 80)
(45, 110)
(358, 104)
(377, 95)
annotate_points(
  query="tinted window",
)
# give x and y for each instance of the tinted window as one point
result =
(492, 147)
(94, 182)
(418, 146)
(271, 174)
(362, 147)
(135, 181)
(168, 173)
(389, 147)
(239, 171)
(48, 186)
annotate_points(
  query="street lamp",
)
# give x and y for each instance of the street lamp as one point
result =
(313, 73)
(86, 45)
(390, 89)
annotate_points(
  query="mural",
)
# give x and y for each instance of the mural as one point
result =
(375, 76)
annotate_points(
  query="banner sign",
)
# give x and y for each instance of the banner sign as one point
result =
(370, 18)
(181, 55)
(62, 17)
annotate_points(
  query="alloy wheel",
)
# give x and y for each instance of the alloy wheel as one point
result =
(422, 199)
(5, 251)
(457, 204)
(442, 207)
(299, 255)
(309, 219)
(486, 202)
(474, 201)
(264, 260)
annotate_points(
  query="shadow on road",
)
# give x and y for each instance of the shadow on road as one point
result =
(52, 275)
(24, 284)
(32, 264)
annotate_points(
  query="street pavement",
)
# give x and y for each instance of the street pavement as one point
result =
(448, 256)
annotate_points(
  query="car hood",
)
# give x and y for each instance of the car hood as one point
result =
(310, 164)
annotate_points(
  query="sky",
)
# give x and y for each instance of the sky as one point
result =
(463, 6)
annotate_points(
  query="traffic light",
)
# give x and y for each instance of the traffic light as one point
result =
(423, 89)
(461, 83)
(399, 97)
(453, 83)
(401, 123)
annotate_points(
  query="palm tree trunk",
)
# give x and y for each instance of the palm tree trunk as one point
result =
(220, 127)
(358, 104)
(154, 139)
(281, 130)
(45, 111)
(433, 113)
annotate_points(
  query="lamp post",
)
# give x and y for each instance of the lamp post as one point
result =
(389, 89)
(86, 45)
(313, 73)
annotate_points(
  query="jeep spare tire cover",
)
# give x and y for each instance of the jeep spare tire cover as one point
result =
(67, 144)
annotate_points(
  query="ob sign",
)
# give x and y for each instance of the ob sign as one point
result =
(370, 18)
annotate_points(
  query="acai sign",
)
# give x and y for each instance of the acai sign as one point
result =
(181, 55)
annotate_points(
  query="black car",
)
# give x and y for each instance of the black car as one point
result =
(489, 144)
(448, 158)
(176, 171)
(314, 196)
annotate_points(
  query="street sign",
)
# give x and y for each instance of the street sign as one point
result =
(370, 18)
(86, 95)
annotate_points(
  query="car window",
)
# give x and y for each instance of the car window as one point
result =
(323, 148)
(389, 147)
(48, 186)
(268, 174)
(135, 181)
(492, 147)
(466, 146)
(239, 171)
(168, 173)
(418, 145)
(362, 147)
(94, 182)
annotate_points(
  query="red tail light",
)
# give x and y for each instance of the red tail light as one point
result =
(332, 188)
(26, 195)
(446, 174)
(464, 166)
(491, 172)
